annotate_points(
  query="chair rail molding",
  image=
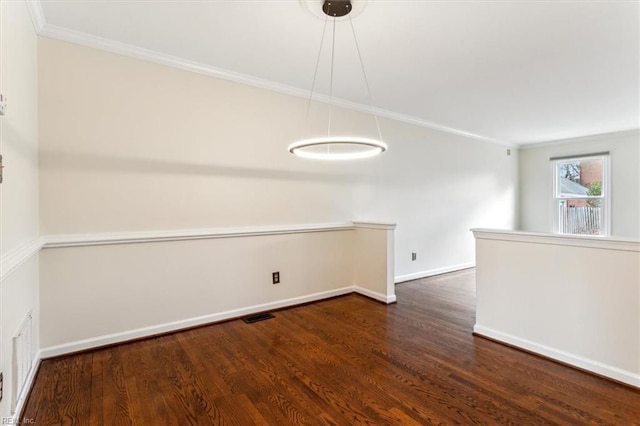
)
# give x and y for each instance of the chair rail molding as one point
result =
(75, 240)
(12, 259)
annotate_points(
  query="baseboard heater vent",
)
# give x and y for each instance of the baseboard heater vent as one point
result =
(257, 317)
(22, 361)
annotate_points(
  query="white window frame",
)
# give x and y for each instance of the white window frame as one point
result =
(605, 219)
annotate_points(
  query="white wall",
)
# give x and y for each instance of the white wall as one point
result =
(128, 145)
(19, 191)
(108, 290)
(536, 181)
(373, 259)
(436, 187)
(572, 298)
(132, 146)
(110, 293)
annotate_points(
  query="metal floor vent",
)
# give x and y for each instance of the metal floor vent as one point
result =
(257, 317)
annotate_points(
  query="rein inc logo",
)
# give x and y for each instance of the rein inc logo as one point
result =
(12, 421)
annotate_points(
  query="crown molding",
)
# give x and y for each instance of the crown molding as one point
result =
(410, 120)
(578, 139)
(112, 46)
(37, 15)
(77, 37)
(42, 28)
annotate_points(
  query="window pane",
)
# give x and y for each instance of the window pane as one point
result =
(580, 216)
(580, 178)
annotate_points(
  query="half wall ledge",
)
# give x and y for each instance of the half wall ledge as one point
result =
(574, 299)
(164, 281)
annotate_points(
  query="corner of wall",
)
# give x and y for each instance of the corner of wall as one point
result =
(20, 242)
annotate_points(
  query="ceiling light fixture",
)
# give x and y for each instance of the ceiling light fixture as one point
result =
(338, 147)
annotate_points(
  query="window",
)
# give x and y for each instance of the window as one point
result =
(581, 194)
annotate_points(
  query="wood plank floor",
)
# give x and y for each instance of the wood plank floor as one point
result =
(343, 361)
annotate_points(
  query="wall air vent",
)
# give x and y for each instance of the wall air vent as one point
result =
(22, 361)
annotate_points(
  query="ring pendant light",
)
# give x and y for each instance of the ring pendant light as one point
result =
(338, 147)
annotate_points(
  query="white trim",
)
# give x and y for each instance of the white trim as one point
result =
(110, 339)
(606, 185)
(375, 225)
(132, 51)
(618, 374)
(375, 295)
(28, 317)
(597, 242)
(391, 264)
(58, 241)
(26, 387)
(580, 139)
(432, 272)
(416, 121)
(11, 260)
(37, 15)
(48, 30)
(129, 50)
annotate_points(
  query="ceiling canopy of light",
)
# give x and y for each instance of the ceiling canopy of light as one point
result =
(338, 147)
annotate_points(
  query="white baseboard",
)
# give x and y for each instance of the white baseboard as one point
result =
(375, 295)
(26, 388)
(615, 373)
(432, 272)
(110, 339)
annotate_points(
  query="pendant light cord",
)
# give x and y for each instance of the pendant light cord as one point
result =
(315, 73)
(333, 50)
(366, 80)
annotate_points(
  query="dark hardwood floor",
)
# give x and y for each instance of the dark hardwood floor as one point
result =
(342, 361)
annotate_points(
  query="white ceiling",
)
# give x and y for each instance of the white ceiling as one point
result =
(513, 71)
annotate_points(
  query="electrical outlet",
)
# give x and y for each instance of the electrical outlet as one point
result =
(275, 277)
(414, 256)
